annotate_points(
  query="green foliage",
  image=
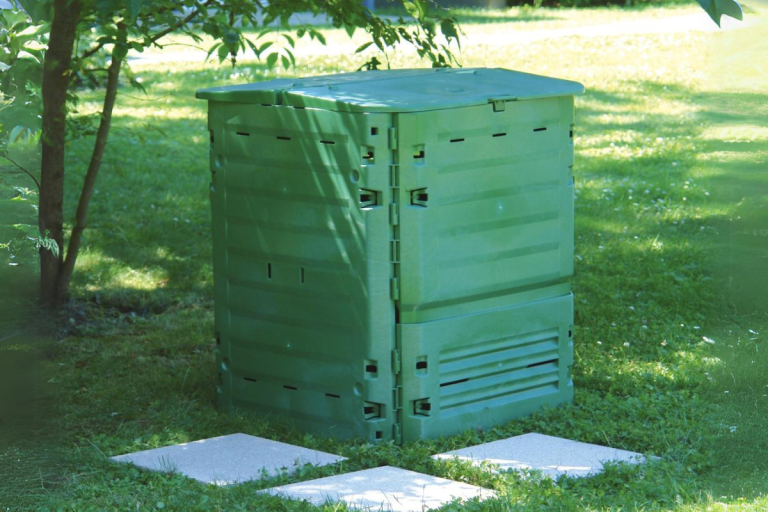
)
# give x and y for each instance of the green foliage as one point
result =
(24, 43)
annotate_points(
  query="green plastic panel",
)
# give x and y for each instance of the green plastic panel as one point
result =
(303, 307)
(487, 368)
(495, 227)
(409, 90)
(393, 251)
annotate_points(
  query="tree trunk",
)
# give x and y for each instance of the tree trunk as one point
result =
(97, 156)
(56, 79)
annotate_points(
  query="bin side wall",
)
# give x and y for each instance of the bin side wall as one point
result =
(303, 311)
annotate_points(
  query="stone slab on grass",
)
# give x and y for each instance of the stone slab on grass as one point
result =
(553, 456)
(227, 460)
(385, 488)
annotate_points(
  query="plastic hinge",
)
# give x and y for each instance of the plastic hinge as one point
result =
(394, 217)
(395, 288)
(392, 138)
(397, 402)
(396, 366)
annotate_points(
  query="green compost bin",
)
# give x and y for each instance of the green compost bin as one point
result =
(393, 250)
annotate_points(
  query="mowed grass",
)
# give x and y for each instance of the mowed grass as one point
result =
(668, 180)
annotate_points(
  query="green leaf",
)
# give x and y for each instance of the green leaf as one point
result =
(223, 52)
(363, 47)
(350, 29)
(264, 46)
(231, 37)
(717, 8)
(448, 28)
(412, 9)
(15, 133)
(120, 51)
(134, 8)
(286, 62)
(212, 49)
(271, 60)
(317, 35)
(290, 40)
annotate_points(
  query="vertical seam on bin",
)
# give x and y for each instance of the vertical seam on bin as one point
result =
(394, 254)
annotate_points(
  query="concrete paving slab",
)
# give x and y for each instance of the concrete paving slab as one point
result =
(386, 488)
(553, 456)
(227, 460)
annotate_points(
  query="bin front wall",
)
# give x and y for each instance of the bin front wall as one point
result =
(496, 228)
(303, 307)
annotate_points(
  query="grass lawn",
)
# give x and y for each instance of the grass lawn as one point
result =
(671, 322)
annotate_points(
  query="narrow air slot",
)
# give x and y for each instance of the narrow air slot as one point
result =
(244, 134)
(330, 142)
(419, 197)
(291, 388)
(302, 275)
(368, 198)
(422, 407)
(371, 369)
(502, 134)
(250, 379)
(453, 382)
(266, 104)
(212, 137)
(331, 395)
(374, 130)
(542, 363)
(539, 129)
(283, 138)
(418, 154)
(457, 140)
(371, 410)
(269, 271)
(421, 365)
(367, 155)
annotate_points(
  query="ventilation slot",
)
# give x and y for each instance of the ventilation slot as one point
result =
(542, 363)
(302, 275)
(419, 155)
(453, 382)
(459, 140)
(371, 410)
(269, 271)
(331, 395)
(422, 407)
(419, 197)
(291, 388)
(212, 137)
(539, 129)
(250, 379)
(244, 134)
(503, 134)
(379, 434)
(266, 104)
(327, 142)
(374, 131)
(371, 369)
(283, 138)
(421, 365)
(368, 198)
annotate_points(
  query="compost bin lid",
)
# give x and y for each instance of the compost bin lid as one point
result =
(406, 90)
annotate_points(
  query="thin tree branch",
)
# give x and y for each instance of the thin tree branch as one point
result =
(170, 28)
(180, 24)
(23, 169)
(97, 156)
